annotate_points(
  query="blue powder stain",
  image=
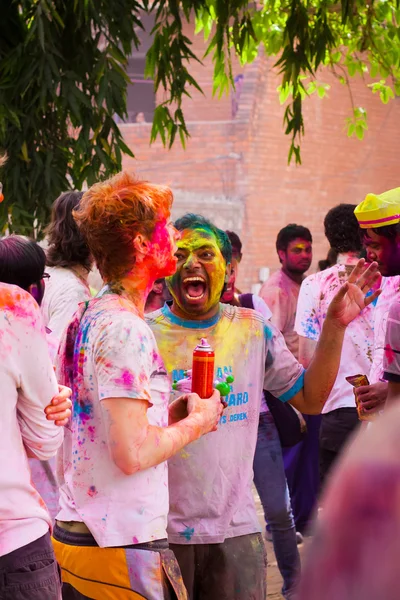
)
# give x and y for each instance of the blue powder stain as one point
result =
(187, 534)
(310, 330)
(83, 411)
(268, 332)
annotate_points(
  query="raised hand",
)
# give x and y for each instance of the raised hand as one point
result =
(352, 297)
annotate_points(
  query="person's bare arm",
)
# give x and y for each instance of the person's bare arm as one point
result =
(307, 348)
(322, 371)
(135, 445)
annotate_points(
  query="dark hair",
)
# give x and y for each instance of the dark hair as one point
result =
(388, 231)
(192, 221)
(342, 229)
(22, 261)
(236, 243)
(329, 261)
(67, 246)
(292, 232)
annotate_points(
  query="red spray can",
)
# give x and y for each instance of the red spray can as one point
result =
(203, 370)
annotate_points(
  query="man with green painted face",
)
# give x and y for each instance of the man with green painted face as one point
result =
(213, 527)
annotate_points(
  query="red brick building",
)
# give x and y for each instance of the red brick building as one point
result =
(234, 169)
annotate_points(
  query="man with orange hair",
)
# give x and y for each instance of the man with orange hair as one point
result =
(110, 536)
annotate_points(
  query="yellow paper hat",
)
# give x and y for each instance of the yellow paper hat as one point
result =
(377, 211)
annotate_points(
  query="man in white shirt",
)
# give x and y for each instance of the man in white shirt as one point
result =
(339, 415)
(379, 217)
(355, 550)
(110, 533)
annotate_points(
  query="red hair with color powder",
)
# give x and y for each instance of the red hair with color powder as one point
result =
(111, 213)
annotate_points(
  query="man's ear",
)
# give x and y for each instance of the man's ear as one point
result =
(141, 245)
(282, 255)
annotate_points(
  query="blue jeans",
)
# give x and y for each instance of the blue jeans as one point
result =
(270, 481)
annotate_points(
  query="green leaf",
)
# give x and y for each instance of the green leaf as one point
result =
(359, 131)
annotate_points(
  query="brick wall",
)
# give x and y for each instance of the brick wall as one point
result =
(235, 170)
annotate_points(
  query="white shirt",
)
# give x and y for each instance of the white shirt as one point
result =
(65, 289)
(28, 384)
(316, 293)
(115, 356)
(390, 293)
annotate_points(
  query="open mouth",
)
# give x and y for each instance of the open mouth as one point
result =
(194, 288)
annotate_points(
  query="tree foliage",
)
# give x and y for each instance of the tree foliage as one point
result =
(63, 78)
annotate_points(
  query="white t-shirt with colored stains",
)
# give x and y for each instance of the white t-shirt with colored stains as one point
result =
(391, 359)
(390, 294)
(27, 384)
(115, 356)
(316, 294)
(210, 480)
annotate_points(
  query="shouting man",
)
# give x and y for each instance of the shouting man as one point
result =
(213, 526)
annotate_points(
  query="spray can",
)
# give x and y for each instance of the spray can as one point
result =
(203, 369)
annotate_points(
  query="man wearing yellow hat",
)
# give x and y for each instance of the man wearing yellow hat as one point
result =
(379, 219)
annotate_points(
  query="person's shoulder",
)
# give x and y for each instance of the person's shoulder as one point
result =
(273, 279)
(275, 284)
(391, 285)
(326, 276)
(111, 310)
(60, 273)
(155, 318)
(18, 302)
(241, 314)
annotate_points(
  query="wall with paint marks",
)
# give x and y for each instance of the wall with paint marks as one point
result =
(235, 171)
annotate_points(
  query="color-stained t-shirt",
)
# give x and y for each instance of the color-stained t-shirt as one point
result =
(114, 355)
(280, 293)
(390, 294)
(391, 358)
(210, 480)
(64, 290)
(27, 384)
(43, 472)
(261, 307)
(316, 293)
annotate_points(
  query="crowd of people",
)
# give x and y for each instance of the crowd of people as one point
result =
(151, 491)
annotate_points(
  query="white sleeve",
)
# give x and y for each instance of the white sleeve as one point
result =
(261, 306)
(37, 382)
(308, 323)
(123, 359)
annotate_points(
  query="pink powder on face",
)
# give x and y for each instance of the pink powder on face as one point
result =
(135, 540)
(126, 379)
